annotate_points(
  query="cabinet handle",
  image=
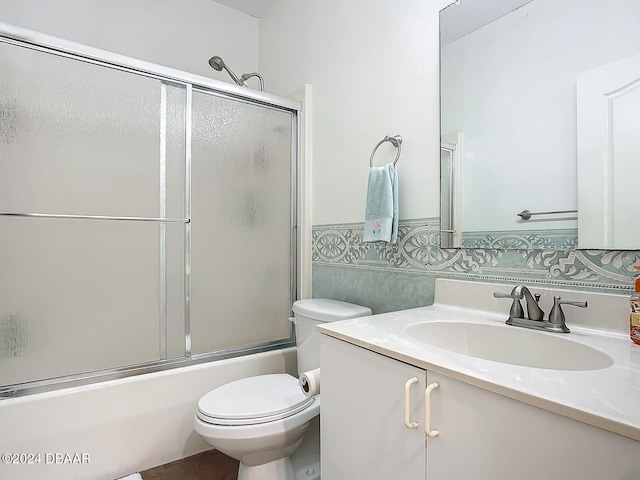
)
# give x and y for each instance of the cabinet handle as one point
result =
(407, 400)
(427, 411)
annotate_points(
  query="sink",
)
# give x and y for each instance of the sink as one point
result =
(512, 345)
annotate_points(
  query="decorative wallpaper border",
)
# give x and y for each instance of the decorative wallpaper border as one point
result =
(417, 251)
(558, 239)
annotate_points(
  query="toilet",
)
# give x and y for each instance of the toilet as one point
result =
(261, 421)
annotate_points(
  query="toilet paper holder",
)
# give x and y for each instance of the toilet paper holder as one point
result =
(309, 383)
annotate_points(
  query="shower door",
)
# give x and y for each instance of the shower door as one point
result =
(146, 218)
(241, 223)
(448, 232)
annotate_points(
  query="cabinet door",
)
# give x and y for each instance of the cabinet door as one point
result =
(486, 436)
(363, 435)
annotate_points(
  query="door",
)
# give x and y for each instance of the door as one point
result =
(608, 153)
(486, 436)
(451, 190)
(363, 433)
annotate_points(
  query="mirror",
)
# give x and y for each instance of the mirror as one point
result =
(539, 103)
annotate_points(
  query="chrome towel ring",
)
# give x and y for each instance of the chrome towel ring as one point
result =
(396, 141)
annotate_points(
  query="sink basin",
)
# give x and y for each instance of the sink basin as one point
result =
(512, 345)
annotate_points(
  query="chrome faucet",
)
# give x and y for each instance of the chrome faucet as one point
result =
(535, 315)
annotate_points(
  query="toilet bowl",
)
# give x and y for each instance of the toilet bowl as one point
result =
(262, 420)
(259, 421)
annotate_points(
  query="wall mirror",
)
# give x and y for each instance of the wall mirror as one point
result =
(539, 113)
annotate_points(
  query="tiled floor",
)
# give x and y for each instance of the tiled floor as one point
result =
(209, 465)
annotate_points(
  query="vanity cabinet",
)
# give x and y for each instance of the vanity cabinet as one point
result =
(362, 431)
(481, 435)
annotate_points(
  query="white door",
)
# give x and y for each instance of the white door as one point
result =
(609, 155)
(362, 415)
(451, 190)
(486, 436)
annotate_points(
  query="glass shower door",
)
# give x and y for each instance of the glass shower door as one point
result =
(92, 189)
(241, 223)
(147, 217)
(448, 231)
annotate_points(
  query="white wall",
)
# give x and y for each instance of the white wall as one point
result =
(180, 34)
(374, 69)
(520, 73)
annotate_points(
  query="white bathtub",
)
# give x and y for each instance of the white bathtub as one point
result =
(111, 429)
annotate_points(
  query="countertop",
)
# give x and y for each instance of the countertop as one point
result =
(608, 398)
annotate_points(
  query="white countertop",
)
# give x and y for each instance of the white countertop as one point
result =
(607, 398)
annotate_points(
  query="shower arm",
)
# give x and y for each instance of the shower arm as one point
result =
(239, 81)
(247, 76)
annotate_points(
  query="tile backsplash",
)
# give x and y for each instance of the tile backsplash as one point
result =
(394, 277)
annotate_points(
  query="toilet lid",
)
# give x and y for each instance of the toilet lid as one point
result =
(253, 400)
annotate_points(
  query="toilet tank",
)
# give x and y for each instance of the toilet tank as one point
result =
(314, 311)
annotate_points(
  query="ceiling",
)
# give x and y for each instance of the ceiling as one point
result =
(255, 8)
(456, 21)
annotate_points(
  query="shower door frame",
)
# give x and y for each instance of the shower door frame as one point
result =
(18, 36)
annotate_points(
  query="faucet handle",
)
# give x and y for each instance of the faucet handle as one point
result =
(557, 315)
(505, 295)
(516, 310)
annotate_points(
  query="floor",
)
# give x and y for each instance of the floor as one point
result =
(209, 465)
(213, 465)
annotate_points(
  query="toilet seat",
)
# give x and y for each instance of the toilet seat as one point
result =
(253, 400)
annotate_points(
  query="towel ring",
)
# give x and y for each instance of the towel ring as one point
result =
(396, 141)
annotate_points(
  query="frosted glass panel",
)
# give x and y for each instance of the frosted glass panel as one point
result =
(79, 138)
(96, 295)
(241, 221)
(174, 301)
(446, 199)
(80, 295)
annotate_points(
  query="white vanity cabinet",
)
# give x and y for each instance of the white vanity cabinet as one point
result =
(481, 435)
(362, 429)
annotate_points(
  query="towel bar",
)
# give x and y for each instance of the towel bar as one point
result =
(526, 214)
(396, 141)
(95, 217)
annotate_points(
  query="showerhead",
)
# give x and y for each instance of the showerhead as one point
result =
(218, 64)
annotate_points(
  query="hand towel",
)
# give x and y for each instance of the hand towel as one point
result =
(381, 213)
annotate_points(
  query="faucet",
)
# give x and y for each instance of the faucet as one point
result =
(535, 315)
